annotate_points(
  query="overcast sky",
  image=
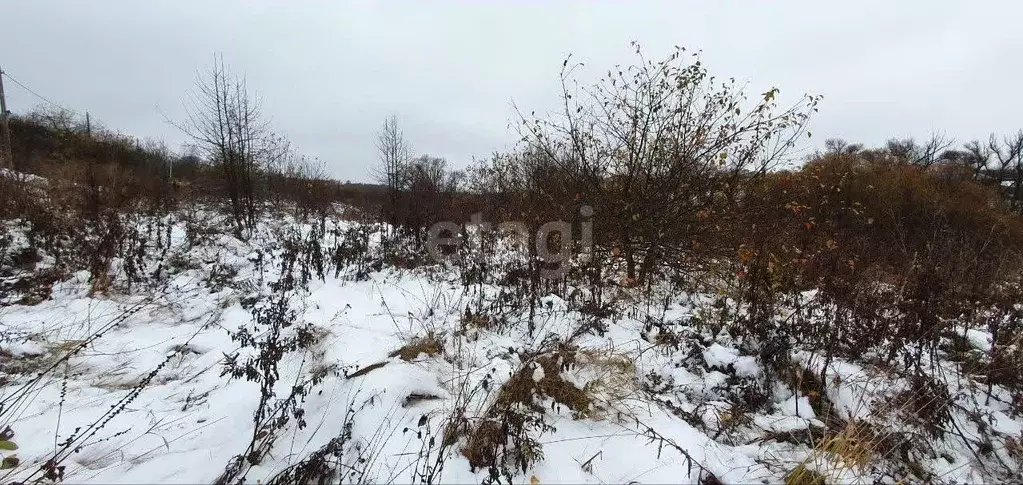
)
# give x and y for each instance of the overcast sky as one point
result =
(330, 72)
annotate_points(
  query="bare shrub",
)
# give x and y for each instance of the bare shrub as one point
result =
(227, 125)
(660, 149)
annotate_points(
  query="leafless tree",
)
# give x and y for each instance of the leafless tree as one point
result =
(925, 155)
(976, 156)
(1008, 155)
(838, 146)
(392, 172)
(281, 162)
(59, 120)
(227, 126)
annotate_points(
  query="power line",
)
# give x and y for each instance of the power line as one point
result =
(26, 88)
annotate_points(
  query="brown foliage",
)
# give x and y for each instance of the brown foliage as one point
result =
(897, 251)
(842, 219)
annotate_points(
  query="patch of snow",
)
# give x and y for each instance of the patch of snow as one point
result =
(23, 348)
(781, 424)
(979, 339)
(22, 176)
(719, 356)
(796, 406)
(538, 374)
(747, 366)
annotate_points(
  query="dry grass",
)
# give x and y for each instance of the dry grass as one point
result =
(522, 388)
(430, 345)
(485, 441)
(478, 321)
(418, 397)
(502, 443)
(807, 383)
(503, 438)
(849, 448)
(366, 370)
(855, 445)
(29, 364)
(802, 475)
(612, 383)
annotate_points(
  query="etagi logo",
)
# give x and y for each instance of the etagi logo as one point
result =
(554, 233)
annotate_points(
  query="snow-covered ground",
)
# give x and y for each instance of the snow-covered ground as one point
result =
(406, 363)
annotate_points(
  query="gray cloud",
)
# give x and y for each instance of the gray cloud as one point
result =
(329, 72)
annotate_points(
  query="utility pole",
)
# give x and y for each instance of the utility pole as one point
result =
(5, 129)
(88, 125)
